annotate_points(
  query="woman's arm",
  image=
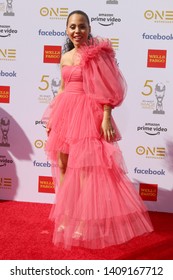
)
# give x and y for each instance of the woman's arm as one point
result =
(106, 126)
(61, 89)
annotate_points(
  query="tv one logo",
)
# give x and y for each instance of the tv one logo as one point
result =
(115, 43)
(159, 16)
(5, 183)
(54, 13)
(7, 54)
(39, 144)
(154, 152)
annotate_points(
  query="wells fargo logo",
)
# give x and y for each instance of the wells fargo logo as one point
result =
(45, 184)
(7, 54)
(159, 16)
(157, 58)
(54, 13)
(154, 152)
(52, 54)
(4, 94)
(148, 191)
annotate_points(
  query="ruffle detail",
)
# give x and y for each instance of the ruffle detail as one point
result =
(102, 79)
(95, 46)
(75, 120)
(101, 205)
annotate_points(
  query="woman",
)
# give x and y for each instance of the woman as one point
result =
(96, 204)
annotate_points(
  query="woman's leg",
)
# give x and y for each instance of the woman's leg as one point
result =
(62, 163)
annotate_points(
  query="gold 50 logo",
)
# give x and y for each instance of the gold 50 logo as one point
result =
(47, 83)
(148, 88)
(44, 83)
(159, 90)
(159, 16)
(154, 152)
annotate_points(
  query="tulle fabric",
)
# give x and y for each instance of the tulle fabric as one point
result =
(103, 208)
(73, 116)
(97, 205)
(102, 78)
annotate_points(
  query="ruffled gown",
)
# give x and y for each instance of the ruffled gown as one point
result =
(96, 206)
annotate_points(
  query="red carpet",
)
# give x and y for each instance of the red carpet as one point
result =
(26, 234)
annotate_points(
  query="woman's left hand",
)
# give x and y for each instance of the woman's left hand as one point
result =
(107, 129)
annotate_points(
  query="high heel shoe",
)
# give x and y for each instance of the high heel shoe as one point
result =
(61, 228)
(77, 235)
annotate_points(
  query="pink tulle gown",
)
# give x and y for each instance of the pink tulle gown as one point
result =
(97, 205)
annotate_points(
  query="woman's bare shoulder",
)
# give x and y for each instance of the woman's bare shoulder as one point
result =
(67, 58)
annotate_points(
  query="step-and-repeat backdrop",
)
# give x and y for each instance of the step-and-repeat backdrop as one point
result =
(31, 36)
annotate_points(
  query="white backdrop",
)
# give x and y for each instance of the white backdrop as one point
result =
(31, 34)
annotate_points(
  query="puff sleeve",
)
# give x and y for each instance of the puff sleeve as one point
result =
(102, 79)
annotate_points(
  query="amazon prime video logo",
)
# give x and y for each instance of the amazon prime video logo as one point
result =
(106, 19)
(152, 129)
(4, 161)
(7, 31)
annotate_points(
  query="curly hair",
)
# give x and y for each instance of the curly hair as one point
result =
(68, 43)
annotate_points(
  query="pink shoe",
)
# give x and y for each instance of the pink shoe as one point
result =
(77, 235)
(61, 228)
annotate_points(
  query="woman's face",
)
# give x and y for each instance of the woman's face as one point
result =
(78, 29)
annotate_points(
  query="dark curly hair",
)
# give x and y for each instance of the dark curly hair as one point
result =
(68, 46)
